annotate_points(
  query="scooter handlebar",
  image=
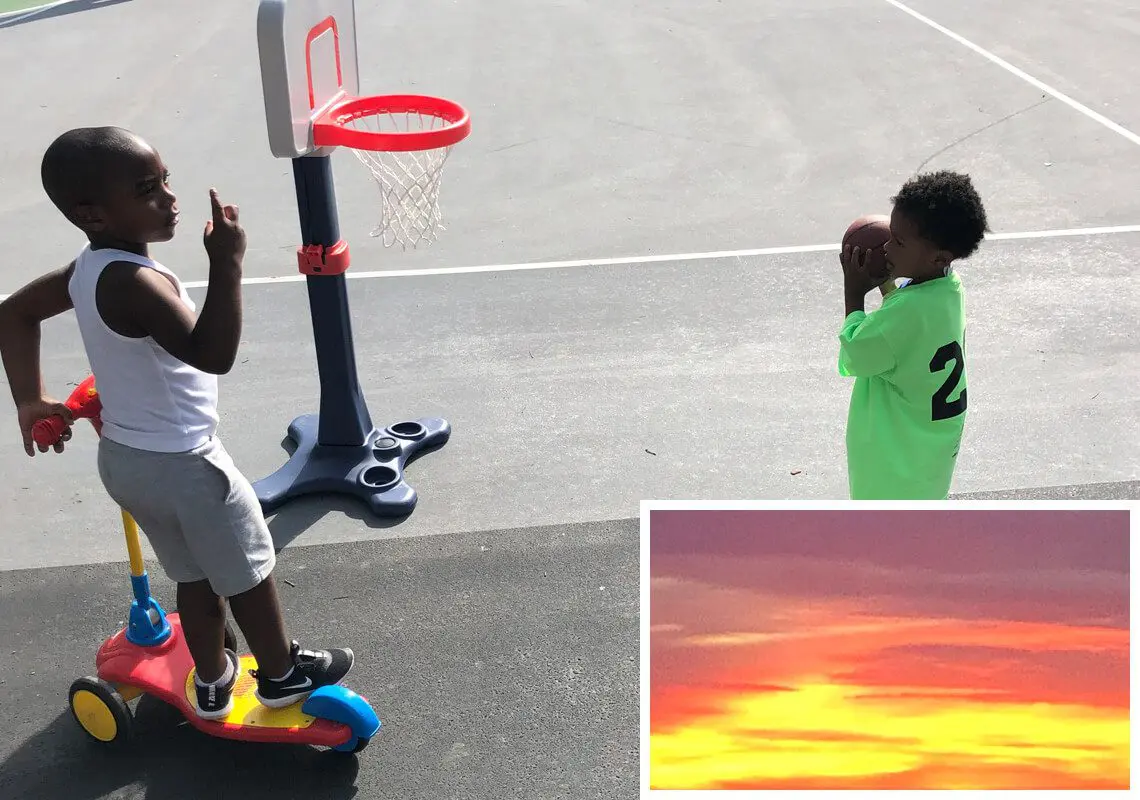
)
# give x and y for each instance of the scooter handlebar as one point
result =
(48, 431)
(84, 404)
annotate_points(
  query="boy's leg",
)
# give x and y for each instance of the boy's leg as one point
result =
(225, 530)
(203, 616)
(137, 480)
(146, 484)
(258, 614)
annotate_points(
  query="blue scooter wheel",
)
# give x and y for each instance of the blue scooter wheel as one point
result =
(353, 745)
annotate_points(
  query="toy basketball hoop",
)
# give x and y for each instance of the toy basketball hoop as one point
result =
(310, 82)
(404, 141)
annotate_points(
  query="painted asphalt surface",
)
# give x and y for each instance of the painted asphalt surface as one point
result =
(502, 664)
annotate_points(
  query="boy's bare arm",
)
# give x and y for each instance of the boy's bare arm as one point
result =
(144, 302)
(20, 319)
(136, 301)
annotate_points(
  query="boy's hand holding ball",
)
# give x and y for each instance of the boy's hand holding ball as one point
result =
(862, 255)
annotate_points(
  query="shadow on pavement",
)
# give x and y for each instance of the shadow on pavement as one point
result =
(502, 663)
(31, 15)
(291, 520)
(169, 759)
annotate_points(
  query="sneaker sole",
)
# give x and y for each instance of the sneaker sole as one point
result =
(283, 702)
(216, 715)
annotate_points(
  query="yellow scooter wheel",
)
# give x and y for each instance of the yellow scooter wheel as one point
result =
(100, 710)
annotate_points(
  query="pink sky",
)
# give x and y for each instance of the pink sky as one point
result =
(923, 611)
(1024, 566)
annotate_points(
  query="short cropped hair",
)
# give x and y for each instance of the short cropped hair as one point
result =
(79, 164)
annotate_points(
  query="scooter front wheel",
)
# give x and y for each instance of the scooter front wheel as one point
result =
(100, 710)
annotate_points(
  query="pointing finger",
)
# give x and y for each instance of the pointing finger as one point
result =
(216, 205)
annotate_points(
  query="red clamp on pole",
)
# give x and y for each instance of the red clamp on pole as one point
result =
(314, 259)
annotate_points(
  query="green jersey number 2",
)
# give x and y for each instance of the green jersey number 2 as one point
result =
(941, 406)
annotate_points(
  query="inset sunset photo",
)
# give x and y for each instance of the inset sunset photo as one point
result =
(889, 649)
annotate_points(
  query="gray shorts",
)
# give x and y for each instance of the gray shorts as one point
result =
(198, 511)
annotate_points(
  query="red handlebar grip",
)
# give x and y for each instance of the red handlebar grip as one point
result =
(48, 431)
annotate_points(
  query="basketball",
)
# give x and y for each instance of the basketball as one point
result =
(871, 232)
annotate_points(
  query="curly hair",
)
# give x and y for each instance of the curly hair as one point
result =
(946, 209)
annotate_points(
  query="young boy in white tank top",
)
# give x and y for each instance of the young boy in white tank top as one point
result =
(156, 366)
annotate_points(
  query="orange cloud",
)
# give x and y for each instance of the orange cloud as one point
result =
(754, 689)
(823, 736)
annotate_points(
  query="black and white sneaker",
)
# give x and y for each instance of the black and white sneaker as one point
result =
(312, 669)
(216, 700)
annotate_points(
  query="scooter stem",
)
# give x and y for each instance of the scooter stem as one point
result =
(134, 549)
(147, 624)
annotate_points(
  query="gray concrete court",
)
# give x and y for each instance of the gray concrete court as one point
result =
(576, 393)
(602, 130)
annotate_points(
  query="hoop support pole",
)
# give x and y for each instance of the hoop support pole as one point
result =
(344, 417)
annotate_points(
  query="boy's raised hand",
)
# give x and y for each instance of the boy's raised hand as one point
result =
(32, 412)
(224, 237)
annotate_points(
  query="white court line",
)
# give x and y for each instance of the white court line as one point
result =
(655, 259)
(660, 259)
(1025, 76)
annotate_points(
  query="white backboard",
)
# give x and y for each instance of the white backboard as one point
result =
(308, 59)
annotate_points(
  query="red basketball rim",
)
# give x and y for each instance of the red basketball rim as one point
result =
(329, 130)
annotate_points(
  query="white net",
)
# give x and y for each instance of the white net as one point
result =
(409, 181)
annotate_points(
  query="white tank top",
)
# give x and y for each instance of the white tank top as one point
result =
(151, 400)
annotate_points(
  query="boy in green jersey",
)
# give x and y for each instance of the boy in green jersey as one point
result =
(908, 405)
